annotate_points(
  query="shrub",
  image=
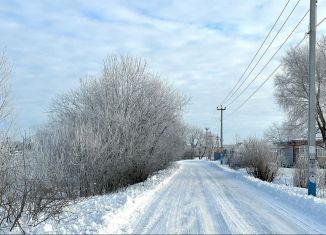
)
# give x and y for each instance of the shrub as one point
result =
(25, 196)
(300, 175)
(189, 154)
(114, 130)
(321, 182)
(258, 159)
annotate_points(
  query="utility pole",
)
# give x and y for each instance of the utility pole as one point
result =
(312, 101)
(221, 136)
(217, 141)
(206, 129)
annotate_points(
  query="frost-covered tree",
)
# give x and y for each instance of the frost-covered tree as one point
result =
(292, 86)
(4, 87)
(280, 132)
(24, 192)
(114, 130)
(5, 144)
(195, 136)
(196, 142)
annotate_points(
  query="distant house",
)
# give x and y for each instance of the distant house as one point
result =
(291, 150)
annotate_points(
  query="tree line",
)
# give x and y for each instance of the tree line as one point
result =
(116, 129)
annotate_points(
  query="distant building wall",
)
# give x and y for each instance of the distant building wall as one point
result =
(286, 153)
(290, 151)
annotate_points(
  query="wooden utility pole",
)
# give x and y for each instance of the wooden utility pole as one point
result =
(221, 136)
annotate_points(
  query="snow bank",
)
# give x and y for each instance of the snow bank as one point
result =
(107, 213)
(289, 194)
(285, 176)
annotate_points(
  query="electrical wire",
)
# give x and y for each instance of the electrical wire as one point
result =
(320, 22)
(271, 58)
(264, 51)
(262, 44)
(271, 75)
(261, 85)
(274, 71)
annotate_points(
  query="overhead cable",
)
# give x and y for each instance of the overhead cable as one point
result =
(271, 58)
(263, 54)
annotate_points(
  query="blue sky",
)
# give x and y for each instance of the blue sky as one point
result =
(201, 47)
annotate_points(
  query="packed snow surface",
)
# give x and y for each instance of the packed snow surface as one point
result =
(197, 197)
(204, 197)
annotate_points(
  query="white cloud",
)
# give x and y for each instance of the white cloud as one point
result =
(202, 47)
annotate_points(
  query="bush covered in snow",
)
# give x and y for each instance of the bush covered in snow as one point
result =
(258, 159)
(300, 175)
(321, 182)
(116, 129)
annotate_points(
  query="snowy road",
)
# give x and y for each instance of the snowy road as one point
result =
(203, 198)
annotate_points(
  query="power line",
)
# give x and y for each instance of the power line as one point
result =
(320, 22)
(254, 91)
(262, 69)
(261, 85)
(274, 71)
(270, 31)
(269, 45)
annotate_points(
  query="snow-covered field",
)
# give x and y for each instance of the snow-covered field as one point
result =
(196, 196)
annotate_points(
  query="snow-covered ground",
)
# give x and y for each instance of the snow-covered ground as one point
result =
(204, 197)
(96, 214)
(285, 176)
(196, 196)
